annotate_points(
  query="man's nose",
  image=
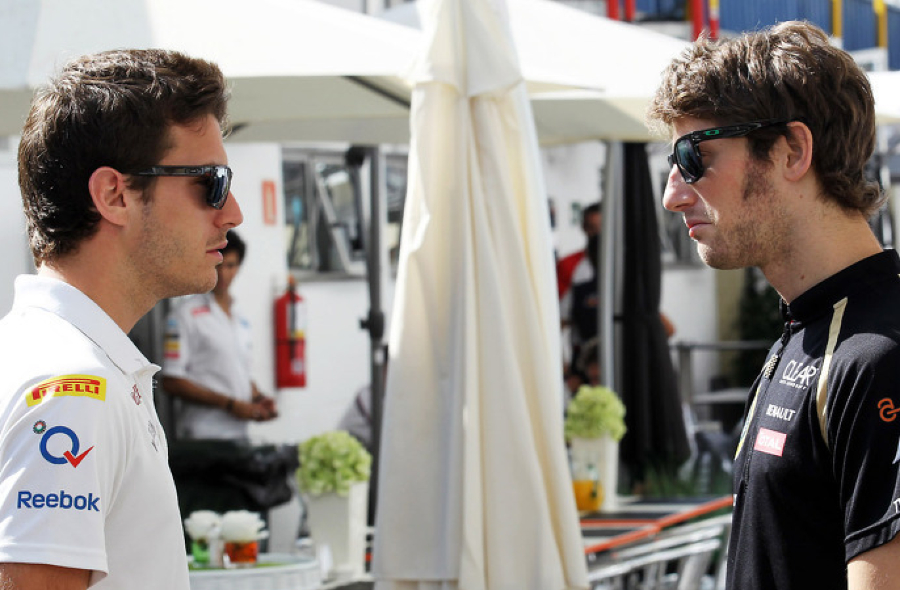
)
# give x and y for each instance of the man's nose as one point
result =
(678, 194)
(230, 214)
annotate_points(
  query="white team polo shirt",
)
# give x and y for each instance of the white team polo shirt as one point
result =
(204, 345)
(84, 475)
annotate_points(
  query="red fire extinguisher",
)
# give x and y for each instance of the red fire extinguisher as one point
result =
(290, 339)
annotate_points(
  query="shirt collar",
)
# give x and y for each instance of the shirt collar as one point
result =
(73, 306)
(865, 275)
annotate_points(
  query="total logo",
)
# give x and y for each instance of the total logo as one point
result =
(59, 436)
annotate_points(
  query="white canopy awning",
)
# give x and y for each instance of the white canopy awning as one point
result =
(300, 68)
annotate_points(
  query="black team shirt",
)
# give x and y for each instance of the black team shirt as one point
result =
(816, 472)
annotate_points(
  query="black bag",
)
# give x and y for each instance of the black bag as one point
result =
(226, 475)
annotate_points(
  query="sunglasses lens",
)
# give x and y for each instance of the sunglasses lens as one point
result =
(219, 187)
(689, 162)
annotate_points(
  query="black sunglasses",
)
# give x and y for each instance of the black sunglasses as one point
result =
(686, 153)
(218, 179)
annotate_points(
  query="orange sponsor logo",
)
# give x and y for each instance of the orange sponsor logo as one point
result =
(887, 410)
(67, 385)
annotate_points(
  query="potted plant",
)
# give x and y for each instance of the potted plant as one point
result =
(594, 425)
(241, 532)
(334, 478)
(204, 528)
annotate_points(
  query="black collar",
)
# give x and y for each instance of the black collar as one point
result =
(864, 275)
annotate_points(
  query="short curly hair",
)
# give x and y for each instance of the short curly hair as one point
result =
(112, 108)
(789, 72)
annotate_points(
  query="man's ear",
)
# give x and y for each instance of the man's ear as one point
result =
(799, 151)
(108, 189)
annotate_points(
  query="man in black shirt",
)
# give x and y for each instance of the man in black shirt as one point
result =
(772, 131)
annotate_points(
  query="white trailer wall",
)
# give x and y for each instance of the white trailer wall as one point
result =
(336, 348)
(16, 257)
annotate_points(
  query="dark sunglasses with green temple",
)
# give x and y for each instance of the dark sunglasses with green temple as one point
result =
(686, 152)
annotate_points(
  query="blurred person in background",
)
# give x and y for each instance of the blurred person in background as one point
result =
(208, 358)
(578, 269)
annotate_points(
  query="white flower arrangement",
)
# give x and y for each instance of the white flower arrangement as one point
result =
(242, 526)
(332, 462)
(202, 525)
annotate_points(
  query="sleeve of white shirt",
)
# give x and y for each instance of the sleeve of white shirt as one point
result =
(60, 464)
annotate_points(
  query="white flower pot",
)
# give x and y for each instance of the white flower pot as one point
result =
(597, 457)
(340, 523)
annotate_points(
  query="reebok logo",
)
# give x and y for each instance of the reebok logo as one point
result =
(34, 501)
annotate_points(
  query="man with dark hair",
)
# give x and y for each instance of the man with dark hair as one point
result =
(126, 188)
(771, 132)
(208, 358)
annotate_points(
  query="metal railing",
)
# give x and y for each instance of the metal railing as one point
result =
(686, 352)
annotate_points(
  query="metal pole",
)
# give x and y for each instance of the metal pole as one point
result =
(611, 207)
(374, 323)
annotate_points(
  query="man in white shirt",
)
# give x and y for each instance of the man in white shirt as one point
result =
(208, 357)
(126, 188)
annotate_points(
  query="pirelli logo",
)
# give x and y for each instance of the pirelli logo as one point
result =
(67, 385)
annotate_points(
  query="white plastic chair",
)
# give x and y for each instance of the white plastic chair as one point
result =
(674, 560)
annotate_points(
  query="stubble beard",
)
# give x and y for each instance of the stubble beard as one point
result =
(164, 270)
(758, 229)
